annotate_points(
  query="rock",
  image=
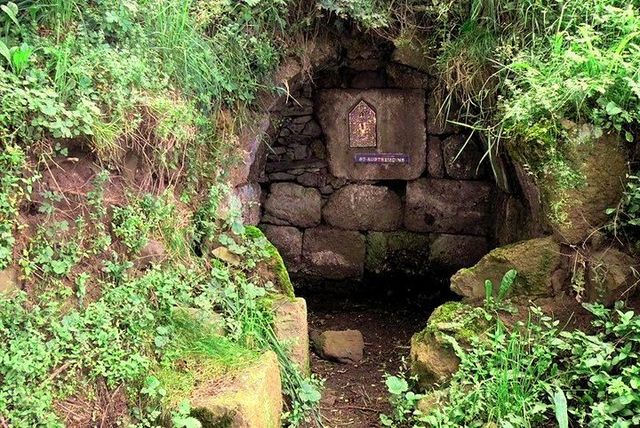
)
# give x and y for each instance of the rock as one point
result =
(437, 123)
(153, 253)
(223, 253)
(272, 267)
(401, 76)
(448, 206)
(248, 397)
(535, 260)
(312, 179)
(281, 176)
(290, 325)
(333, 253)
(577, 212)
(289, 166)
(433, 359)
(611, 276)
(412, 54)
(364, 207)
(312, 130)
(252, 152)
(400, 129)
(9, 283)
(250, 196)
(288, 241)
(342, 346)
(292, 204)
(367, 80)
(462, 158)
(318, 149)
(458, 251)
(435, 161)
(393, 252)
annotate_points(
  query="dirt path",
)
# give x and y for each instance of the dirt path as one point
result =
(355, 395)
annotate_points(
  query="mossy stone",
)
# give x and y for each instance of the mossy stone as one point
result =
(274, 262)
(534, 259)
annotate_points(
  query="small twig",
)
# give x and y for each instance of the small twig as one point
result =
(58, 371)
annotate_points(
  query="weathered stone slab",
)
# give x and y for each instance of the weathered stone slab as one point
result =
(250, 196)
(462, 158)
(458, 251)
(9, 283)
(389, 252)
(291, 328)
(333, 253)
(364, 207)
(288, 241)
(292, 204)
(252, 151)
(448, 206)
(400, 117)
(345, 346)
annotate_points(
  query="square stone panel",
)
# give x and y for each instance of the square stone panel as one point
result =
(400, 128)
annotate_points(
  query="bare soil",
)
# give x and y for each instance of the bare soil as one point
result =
(355, 394)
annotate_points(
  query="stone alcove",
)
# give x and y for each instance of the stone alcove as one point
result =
(357, 177)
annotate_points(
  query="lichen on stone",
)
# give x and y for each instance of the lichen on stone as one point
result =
(274, 261)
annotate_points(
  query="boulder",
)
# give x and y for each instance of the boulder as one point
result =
(290, 325)
(288, 241)
(272, 267)
(435, 161)
(462, 158)
(9, 283)
(248, 397)
(333, 253)
(342, 346)
(252, 152)
(576, 213)
(433, 359)
(458, 251)
(364, 207)
(393, 252)
(292, 204)
(154, 252)
(611, 276)
(535, 260)
(448, 206)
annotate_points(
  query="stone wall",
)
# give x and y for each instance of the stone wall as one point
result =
(337, 222)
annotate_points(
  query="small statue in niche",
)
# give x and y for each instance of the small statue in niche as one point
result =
(363, 126)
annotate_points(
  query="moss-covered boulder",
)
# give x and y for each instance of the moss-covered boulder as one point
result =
(250, 396)
(534, 259)
(433, 355)
(575, 213)
(291, 328)
(273, 267)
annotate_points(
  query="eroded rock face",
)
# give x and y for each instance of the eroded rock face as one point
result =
(250, 196)
(252, 397)
(342, 346)
(153, 253)
(290, 325)
(448, 206)
(9, 283)
(535, 260)
(611, 276)
(291, 204)
(604, 166)
(288, 240)
(435, 161)
(333, 253)
(364, 207)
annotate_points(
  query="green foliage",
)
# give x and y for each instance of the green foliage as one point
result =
(536, 374)
(625, 218)
(14, 188)
(403, 401)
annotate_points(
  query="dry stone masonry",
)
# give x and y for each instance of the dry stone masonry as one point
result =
(360, 177)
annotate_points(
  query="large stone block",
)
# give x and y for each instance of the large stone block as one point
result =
(291, 328)
(435, 162)
(252, 152)
(448, 206)
(364, 207)
(288, 241)
(462, 158)
(292, 204)
(535, 260)
(392, 252)
(458, 251)
(333, 253)
(399, 128)
(250, 196)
